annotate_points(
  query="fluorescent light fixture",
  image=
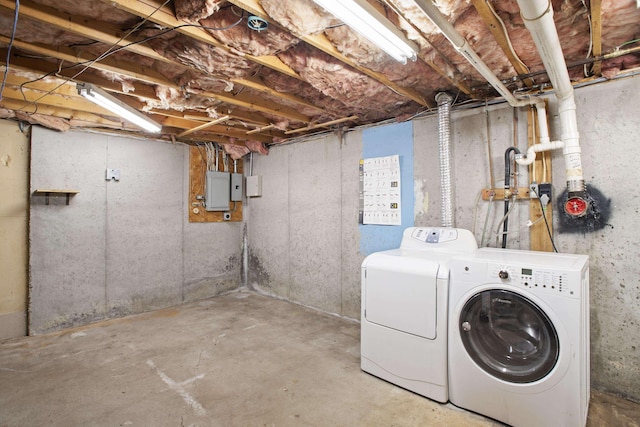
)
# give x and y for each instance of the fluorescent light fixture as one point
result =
(372, 25)
(103, 99)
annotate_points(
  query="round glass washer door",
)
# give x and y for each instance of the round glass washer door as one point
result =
(509, 336)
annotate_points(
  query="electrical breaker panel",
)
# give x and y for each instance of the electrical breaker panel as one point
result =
(217, 191)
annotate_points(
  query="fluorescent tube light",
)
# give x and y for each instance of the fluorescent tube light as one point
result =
(372, 25)
(103, 99)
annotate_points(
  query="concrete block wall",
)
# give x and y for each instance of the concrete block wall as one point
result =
(119, 247)
(301, 180)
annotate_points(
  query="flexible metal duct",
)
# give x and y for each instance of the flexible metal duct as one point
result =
(444, 145)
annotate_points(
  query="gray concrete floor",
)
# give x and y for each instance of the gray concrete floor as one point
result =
(236, 360)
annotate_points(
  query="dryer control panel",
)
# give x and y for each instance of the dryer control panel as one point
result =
(440, 238)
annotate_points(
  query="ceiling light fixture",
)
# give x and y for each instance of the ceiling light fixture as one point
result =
(103, 99)
(371, 24)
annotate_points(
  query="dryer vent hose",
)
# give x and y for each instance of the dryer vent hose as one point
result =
(444, 101)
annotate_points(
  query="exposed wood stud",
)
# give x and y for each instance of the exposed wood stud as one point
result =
(596, 35)
(321, 125)
(495, 25)
(204, 126)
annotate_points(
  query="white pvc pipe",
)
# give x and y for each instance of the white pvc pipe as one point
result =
(538, 18)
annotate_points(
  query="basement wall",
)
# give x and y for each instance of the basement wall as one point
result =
(121, 247)
(14, 209)
(310, 199)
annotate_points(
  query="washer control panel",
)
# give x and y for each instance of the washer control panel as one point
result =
(530, 277)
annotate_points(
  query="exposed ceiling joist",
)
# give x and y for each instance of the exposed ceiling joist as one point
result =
(320, 41)
(275, 84)
(596, 35)
(164, 16)
(114, 37)
(497, 28)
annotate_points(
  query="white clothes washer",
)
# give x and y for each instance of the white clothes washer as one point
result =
(519, 337)
(404, 309)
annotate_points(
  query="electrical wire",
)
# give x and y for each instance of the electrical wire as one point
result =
(13, 36)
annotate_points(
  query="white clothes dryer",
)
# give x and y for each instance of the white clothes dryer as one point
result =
(519, 337)
(404, 309)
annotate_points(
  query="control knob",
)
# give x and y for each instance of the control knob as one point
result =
(503, 274)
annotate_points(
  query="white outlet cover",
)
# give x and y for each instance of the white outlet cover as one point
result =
(113, 174)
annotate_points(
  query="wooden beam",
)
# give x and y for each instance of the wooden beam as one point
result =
(496, 26)
(64, 113)
(164, 16)
(79, 25)
(204, 126)
(113, 36)
(596, 35)
(30, 100)
(321, 42)
(497, 194)
(451, 72)
(539, 235)
(322, 125)
(129, 69)
(150, 76)
(140, 90)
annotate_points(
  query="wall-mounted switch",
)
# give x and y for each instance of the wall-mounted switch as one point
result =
(113, 174)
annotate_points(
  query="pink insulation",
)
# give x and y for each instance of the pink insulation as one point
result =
(199, 55)
(300, 17)
(257, 147)
(229, 25)
(235, 151)
(325, 88)
(47, 121)
(195, 10)
(339, 81)
(100, 10)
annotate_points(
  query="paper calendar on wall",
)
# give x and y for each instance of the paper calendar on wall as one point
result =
(380, 201)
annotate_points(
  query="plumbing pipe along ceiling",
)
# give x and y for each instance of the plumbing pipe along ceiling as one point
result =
(249, 73)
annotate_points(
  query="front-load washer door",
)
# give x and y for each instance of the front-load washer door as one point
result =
(400, 293)
(508, 336)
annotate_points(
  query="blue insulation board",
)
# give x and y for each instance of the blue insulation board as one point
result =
(385, 141)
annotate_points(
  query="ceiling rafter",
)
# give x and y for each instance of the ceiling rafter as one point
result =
(140, 90)
(453, 71)
(112, 36)
(65, 97)
(62, 106)
(164, 16)
(320, 41)
(496, 26)
(151, 76)
(596, 35)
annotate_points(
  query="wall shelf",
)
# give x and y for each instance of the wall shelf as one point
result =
(47, 192)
